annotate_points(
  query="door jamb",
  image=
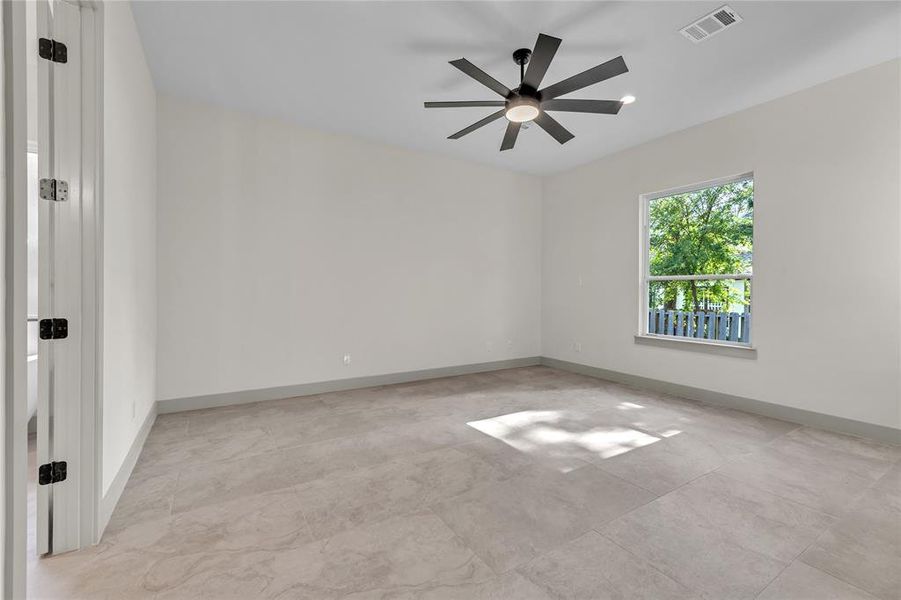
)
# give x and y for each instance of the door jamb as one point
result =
(92, 267)
(15, 252)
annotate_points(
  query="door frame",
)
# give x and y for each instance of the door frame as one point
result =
(87, 451)
(14, 308)
(15, 305)
(91, 525)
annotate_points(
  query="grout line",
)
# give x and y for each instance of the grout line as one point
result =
(648, 562)
(833, 575)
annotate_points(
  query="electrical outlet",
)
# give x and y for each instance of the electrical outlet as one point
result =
(577, 346)
(346, 360)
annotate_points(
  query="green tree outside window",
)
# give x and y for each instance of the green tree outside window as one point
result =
(705, 232)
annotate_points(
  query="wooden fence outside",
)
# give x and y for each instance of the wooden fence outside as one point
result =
(732, 327)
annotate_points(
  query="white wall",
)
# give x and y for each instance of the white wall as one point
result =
(281, 249)
(827, 197)
(129, 237)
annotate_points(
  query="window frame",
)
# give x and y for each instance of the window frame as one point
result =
(645, 278)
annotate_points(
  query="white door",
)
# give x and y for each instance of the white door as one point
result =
(59, 273)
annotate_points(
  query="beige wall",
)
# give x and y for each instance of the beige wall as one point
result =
(129, 237)
(826, 257)
(281, 249)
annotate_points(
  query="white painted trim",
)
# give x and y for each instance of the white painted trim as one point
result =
(880, 433)
(335, 385)
(76, 435)
(92, 161)
(694, 187)
(111, 499)
(14, 300)
(698, 344)
(644, 262)
(699, 277)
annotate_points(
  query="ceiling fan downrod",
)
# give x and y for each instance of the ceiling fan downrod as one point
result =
(521, 57)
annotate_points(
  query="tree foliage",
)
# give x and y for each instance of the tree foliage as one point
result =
(706, 232)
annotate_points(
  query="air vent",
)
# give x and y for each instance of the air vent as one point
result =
(710, 25)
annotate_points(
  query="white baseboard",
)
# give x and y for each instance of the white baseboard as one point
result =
(335, 385)
(880, 433)
(109, 501)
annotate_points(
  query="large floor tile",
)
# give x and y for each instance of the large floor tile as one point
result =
(257, 415)
(267, 521)
(717, 537)
(439, 432)
(512, 460)
(801, 582)
(665, 464)
(864, 547)
(511, 522)
(320, 459)
(144, 499)
(222, 481)
(293, 432)
(826, 440)
(167, 427)
(390, 559)
(115, 568)
(223, 536)
(152, 556)
(334, 504)
(509, 586)
(754, 519)
(596, 568)
(799, 466)
(195, 450)
(737, 432)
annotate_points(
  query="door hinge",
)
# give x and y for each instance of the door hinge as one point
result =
(54, 189)
(53, 472)
(52, 50)
(54, 329)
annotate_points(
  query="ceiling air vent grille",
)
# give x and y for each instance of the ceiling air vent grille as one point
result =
(710, 25)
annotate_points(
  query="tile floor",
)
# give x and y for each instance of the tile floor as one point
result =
(520, 484)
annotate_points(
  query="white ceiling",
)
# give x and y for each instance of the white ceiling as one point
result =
(364, 68)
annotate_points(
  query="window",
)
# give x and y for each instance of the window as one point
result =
(698, 248)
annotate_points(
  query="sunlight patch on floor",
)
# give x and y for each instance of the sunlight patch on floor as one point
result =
(558, 434)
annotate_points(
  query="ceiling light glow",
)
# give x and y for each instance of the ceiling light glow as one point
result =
(522, 113)
(627, 99)
(521, 109)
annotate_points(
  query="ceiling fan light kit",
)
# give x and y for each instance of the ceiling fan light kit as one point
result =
(529, 103)
(522, 109)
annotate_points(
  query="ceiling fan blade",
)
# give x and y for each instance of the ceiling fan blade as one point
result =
(481, 76)
(464, 104)
(603, 107)
(609, 69)
(477, 124)
(510, 135)
(557, 131)
(542, 55)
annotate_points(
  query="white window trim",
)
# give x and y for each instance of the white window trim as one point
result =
(644, 276)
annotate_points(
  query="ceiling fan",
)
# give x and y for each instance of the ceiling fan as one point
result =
(529, 103)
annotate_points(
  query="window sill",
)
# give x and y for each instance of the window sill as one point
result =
(694, 345)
